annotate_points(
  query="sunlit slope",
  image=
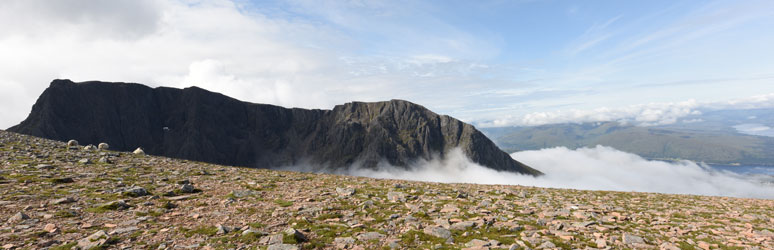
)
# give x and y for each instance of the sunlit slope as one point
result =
(721, 147)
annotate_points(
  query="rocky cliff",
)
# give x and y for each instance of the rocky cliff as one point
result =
(199, 125)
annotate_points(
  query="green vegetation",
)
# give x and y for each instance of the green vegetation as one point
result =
(283, 203)
(66, 246)
(711, 146)
(201, 230)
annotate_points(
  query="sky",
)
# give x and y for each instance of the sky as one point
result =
(490, 63)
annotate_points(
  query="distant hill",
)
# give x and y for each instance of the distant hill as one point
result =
(707, 141)
(199, 125)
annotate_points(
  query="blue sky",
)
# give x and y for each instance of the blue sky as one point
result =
(486, 62)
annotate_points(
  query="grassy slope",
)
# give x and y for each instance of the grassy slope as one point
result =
(660, 143)
(266, 202)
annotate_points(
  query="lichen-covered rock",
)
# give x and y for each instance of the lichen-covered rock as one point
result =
(93, 241)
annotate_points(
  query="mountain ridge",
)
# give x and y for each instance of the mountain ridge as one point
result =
(197, 124)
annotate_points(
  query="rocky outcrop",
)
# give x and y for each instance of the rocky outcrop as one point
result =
(196, 124)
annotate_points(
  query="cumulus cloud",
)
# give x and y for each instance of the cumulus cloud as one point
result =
(598, 168)
(643, 114)
(249, 53)
(650, 114)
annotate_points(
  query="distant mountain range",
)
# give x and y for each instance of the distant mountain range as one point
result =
(715, 137)
(199, 125)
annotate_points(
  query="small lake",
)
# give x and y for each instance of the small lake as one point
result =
(765, 170)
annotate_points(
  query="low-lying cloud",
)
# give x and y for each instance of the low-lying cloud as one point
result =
(650, 114)
(598, 168)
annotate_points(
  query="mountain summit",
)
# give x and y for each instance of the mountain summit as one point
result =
(197, 124)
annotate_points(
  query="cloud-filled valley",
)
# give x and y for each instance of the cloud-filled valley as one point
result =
(598, 168)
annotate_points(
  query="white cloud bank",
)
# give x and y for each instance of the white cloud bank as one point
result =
(599, 168)
(643, 114)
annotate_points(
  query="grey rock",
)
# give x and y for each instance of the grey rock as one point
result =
(632, 239)
(105, 159)
(44, 167)
(61, 201)
(345, 191)
(136, 192)
(222, 229)
(668, 246)
(271, 239)
(18, 217)
(243, 193)
(344, 241)
(547, 245)
(585, 223)
(477, 243)
(123, 230)
(103, 146)
(370, 236)
(465, 225)
(300, 237)
(84, 161)
(254, 231)
(282, 247)
(187, 188)
(95, 240)
(438, 232)
(396, 196)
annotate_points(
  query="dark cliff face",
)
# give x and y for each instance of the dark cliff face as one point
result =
(199, 125)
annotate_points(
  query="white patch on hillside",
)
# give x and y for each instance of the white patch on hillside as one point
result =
(755, 129)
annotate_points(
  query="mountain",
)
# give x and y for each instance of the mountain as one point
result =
(710, 142)
(196, 124)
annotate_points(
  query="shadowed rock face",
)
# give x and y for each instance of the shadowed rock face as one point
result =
(199, 125)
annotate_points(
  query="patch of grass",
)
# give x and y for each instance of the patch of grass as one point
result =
(412, 239)
(249, 238)
(421, 215)
(113, 206)
(489, 233)
(61, 180)
(326, 216)
(202, 230)
(257, 225)
(66, 246)
(289, 239)
(283, 203)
